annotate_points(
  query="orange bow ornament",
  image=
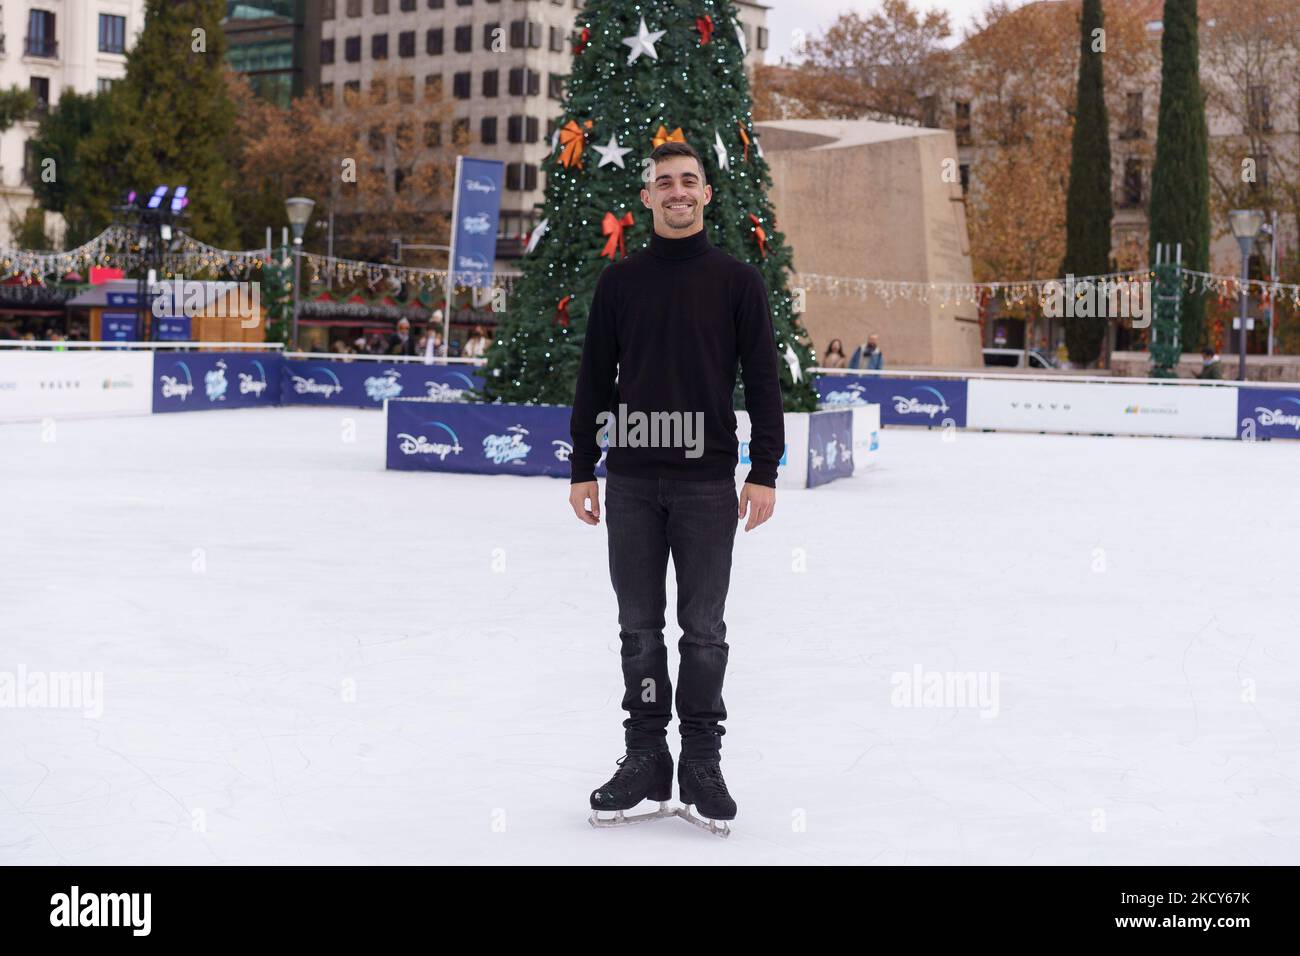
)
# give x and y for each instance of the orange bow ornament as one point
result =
(613, 227)
(663, 136)
(562, 312)
(705, 25)
(744, 138)
(572, 140)
(760, 235)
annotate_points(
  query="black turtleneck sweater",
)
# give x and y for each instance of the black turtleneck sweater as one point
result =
(670, 323)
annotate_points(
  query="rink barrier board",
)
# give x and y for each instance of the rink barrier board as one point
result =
(36, 385)
(501, 438)
(39, 384)
(1004, 403)
(369, 384)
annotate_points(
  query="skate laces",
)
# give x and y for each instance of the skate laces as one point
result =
(631, 765)
(708, 778)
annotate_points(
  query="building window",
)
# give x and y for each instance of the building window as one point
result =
(1132, 182)
(433, 42)
(104, 84)
(433, 86)
(351, 91)
(530, 129)
(379, 46)
(407, 6)
(435, 4)
(463, 3)
(521, 177)
(326, 95)
(962, 126)
(491, 82)
(406, 44)
(460, 85)
(762, 38)
(489, 31)
(515, 129)
(1260, 185)
(432, 133)
(518, 34)
(525, 82)
(1257, 109)
(112, 33)
(487, 129)
(406, 89)
(929, 111)
(556, 44)
(464, 39)
(555, 86)
(327, 10)
(1132, 116)
(352, 49)
(460, 131)
(327, 51)
(381, 7)
(964, 170)
(379, 90)
(40, 87)
(354, 8)
(41, 34)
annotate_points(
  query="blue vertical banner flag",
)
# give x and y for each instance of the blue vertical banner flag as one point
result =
(477, 209)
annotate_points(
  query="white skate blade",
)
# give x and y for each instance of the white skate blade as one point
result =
(716, 827)
(621, 819)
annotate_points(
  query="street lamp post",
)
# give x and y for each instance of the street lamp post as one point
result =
(1246, 224)
(298, 209)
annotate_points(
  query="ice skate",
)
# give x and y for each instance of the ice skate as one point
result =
(641, 775)
(701, 786)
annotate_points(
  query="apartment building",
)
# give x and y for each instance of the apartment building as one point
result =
(50, 46)
(501, 63)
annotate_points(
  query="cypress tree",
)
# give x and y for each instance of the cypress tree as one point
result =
(1088, 202)
(1180, 183)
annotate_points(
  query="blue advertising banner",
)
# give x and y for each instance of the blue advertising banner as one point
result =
(119, 326)
(122, 299)
(478, 205)
(174, 328)
(197, 381)
(1268, 413)
(902, 401)
(366, 384)
(486, 439)
(830, 446)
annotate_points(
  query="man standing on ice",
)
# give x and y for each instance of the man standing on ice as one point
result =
(665, 332)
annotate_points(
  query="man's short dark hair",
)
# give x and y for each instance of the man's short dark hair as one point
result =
(674, 148)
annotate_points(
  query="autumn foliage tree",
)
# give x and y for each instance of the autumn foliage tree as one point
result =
(381, 160)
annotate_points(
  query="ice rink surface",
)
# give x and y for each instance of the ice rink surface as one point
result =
(308, 659)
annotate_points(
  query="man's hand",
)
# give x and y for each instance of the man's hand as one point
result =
(763, 502)
(579, 494)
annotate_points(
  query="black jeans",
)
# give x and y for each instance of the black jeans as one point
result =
(695, 521)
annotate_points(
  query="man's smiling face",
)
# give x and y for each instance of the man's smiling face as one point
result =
(676, 196)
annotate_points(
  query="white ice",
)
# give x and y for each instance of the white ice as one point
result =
(309, 659)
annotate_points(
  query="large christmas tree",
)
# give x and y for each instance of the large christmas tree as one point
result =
(643, 72)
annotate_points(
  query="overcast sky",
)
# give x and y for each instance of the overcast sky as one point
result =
(813, 16)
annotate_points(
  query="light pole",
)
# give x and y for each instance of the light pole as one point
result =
(298, 209)
(1246, 224)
